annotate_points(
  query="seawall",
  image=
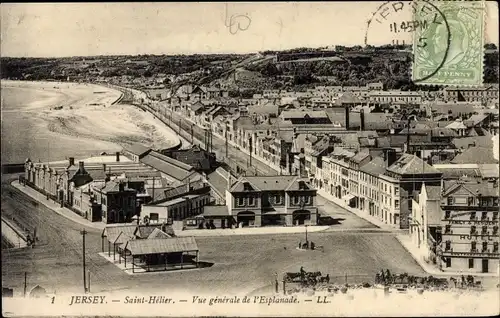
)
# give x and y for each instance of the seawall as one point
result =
(13, 235)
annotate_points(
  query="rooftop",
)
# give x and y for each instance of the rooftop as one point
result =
(158, 246)
(409, 164)
(137, 149)
(476, 155)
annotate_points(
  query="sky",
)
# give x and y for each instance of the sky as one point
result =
(87, 29)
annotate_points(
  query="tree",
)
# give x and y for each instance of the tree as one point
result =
(270, 70)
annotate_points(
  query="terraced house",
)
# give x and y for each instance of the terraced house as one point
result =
(457, 223)
(272, 200)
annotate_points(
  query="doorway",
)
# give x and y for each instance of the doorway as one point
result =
(485, 266)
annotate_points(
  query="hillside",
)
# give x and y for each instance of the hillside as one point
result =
(298, 68)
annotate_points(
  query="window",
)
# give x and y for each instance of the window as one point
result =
(307, 199)
(471, 263)
(241, 201)
(495, 230)
(495, 247)
(484, 230)
(295, 200)
(448, 262)
(277, 199)
(251, 201)
(485, 246)
(472, 229)
(473, 215)
(450, 200)
(473, 246)
(396, 204)
(396, 190)
(495, 216)
(447, 245)
(447, 229)
(470, 201)
(447, 215)
(484, 216)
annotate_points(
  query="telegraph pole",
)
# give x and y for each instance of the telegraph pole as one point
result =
(83, 233)
(192, 138)
(226, 143)
(25, 282)
(250, 140)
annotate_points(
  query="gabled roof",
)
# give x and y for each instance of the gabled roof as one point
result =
(476, 155)
(360, 156)
(478, 141)
(114, 186)
(375, 167)
(477, 119)
(174, 168)
(112, 231)
(158, 234)
(433, 192)
(137, 149)
(158, 246)
(182, 190)
(411, 164)
(456, 125)
(474, 188)
(295, 185)
(263, 183)
(348, 98)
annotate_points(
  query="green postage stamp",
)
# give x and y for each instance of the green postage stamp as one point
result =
(448, 47)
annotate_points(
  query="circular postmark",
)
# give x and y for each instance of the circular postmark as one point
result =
(415, 26)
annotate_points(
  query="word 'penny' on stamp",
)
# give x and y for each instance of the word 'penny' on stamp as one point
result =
(450, 49)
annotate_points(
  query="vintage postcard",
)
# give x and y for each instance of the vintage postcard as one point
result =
(273, 159)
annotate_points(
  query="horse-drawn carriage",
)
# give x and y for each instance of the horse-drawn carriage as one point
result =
(305, 278)
(386, 278)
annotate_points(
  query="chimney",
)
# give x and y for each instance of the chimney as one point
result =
(117, 156)
(71, 161)
(229, 180)
(188, 185)
(104, 167)
(390, 156)
(121, 186)
(347, 118)
(362, 119)
(80, 165)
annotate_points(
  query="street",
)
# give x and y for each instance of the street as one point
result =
(241, 263)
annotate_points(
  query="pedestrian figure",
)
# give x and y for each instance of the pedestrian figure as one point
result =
(312, 245)
(327, 278)
(300, 244)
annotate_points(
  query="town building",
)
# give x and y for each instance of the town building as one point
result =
(272, 200)
(395, 97)
(457, 224)
(117, 202)
(471, 94)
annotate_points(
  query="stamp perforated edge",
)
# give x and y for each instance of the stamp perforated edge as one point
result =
(423, 84)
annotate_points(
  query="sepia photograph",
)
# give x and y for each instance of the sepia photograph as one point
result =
(248, 159)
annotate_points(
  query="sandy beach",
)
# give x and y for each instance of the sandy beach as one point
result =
(51, 120)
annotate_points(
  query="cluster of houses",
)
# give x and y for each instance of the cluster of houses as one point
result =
(415, 164)
(183, 188)
(379, 163)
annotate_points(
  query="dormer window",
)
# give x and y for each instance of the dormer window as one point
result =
(302, 185)
(247, 187)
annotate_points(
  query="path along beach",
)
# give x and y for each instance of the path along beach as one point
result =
(55, 120)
